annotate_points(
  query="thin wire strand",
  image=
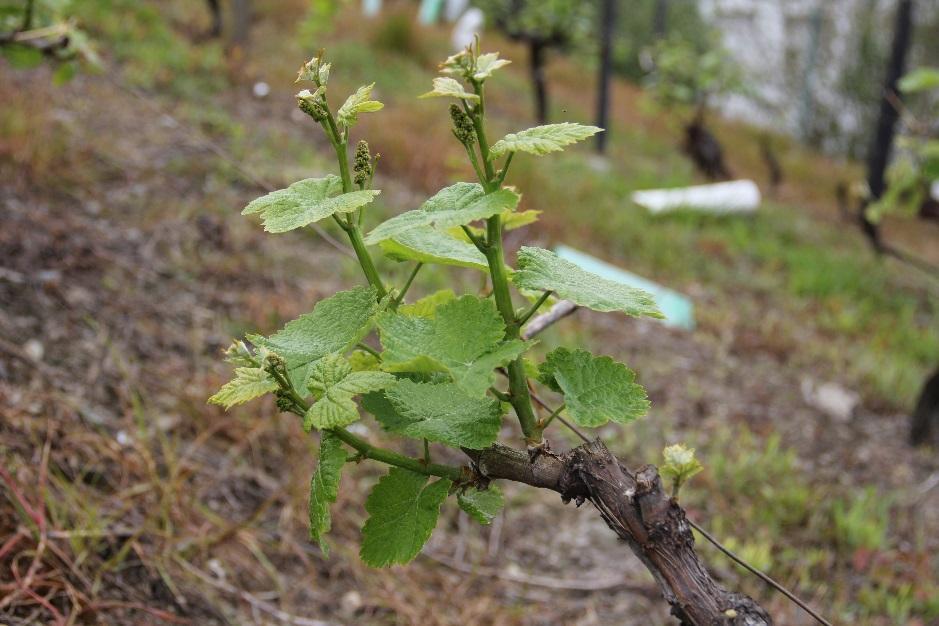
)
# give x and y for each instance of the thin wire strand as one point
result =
(764, 577)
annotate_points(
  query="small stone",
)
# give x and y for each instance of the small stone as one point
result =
(350, 603)
(48, 277)
(261, 89)
(831, 398)
(34, 349)
(358, 428)
(166, 423)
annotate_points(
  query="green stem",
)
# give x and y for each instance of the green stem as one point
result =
(471, 152)
(426, 452)
(479, 243)
(351, 226)
(367, 450)
(389, 457)
(478, 112)
(545, 422)
(534, 309)
(365, 260)
(519, 395)
(500, 394)
(339, 144)
(521, 402)
(407, 284)
(498, 273)
(505, 169)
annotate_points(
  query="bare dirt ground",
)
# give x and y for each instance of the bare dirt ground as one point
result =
(119, 287)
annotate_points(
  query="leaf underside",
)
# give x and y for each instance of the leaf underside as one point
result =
(542, 139)
(456, 205)
(249, 383)
(305, 202)
(446, 87)
(540, 269)
(324, 487)
(482, 505)
(426, 244)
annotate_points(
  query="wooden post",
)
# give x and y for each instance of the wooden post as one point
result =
(660, 19)
(607, 18)
(882, 143)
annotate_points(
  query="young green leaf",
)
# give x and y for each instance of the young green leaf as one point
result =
(455, 205)
(314, 71)
(249, 383)
(680, 465)
(459, 64)
(516, 219)
(441, 412)
(319, 188)
(428, 305)
(540, 269)
(445, 87)
(334, 325)
(482, 505)
(465, 339)
(324, 487)
(596, 389)
(486, 64)
(357, 103)
(403, 511)
(543, 139)
(510, 221)
(337, 384)
(428, 245)
(920, 79)
(362, 361)
(305, 202)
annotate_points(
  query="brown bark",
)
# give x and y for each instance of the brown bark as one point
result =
(637, 509)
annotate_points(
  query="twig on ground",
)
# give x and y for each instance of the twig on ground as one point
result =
(252, 600)
(601, 584)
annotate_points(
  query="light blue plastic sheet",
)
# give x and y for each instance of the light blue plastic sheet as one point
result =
(429, 12)
(678, 309)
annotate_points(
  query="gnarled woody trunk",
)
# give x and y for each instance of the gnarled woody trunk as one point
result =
(639, 511)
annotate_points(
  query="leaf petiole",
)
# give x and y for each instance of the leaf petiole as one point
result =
(534, 308)
(407, 285)
(544, 423)
(504, 170)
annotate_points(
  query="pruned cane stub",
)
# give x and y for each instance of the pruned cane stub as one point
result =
(637, 508)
